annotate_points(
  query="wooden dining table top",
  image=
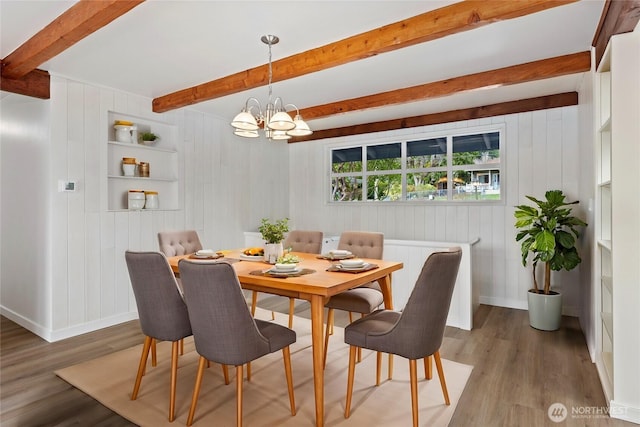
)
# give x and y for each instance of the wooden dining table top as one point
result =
(320, 282)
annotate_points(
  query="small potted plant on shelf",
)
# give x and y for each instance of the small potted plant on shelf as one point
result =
(548, 232)
(273, 235)
(149, 138)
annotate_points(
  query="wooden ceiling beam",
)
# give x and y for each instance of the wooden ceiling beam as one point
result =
(80, 20)
(432, 25)
(35, 83)
(522, 73)
(618, 16)
(511, 107)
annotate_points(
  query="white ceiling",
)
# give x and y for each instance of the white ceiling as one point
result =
(162, 46)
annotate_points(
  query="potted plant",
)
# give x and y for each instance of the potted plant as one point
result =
(548, 232)
(149, 138)
(273, 235)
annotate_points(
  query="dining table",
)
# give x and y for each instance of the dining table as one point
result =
(320, 277)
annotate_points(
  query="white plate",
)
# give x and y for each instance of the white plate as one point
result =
(360, 267)
(206, 256)
(276, 271)
(256, 258)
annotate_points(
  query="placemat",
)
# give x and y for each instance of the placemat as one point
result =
(339, 269)
(267, 273)
(335, 257)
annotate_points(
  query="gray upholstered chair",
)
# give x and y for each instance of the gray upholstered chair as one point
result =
(366, 298)
(299, 241)
(224, 330)
(181, 242)
(163, 313)
(174, 243)
(416, 332)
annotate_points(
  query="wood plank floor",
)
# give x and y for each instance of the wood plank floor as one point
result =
(518, 372)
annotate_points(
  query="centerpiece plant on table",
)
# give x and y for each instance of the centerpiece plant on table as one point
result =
(273, 234)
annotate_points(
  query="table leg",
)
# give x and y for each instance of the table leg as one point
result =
(385, 286)
(317, 313)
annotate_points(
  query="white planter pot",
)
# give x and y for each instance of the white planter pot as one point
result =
(545, 311)
(273, 251)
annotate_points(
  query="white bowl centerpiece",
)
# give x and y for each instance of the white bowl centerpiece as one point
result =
(287, 262)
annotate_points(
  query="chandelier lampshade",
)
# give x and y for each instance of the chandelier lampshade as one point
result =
(277, 124)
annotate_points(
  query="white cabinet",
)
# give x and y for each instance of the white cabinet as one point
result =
(162, 158)
(617, 222)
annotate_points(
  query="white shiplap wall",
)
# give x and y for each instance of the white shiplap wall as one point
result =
(228, 184)
(541, 152)
(82, 282)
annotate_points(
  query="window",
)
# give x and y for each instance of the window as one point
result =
(455, 167)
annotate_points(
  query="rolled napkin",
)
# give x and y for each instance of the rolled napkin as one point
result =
(339, 252)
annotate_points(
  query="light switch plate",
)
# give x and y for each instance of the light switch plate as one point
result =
(67, 186)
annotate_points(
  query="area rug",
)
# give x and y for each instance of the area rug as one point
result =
(109, 379)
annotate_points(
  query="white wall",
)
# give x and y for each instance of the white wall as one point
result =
(542, 152)
(25, 221)
(586, 131)
(79, 281)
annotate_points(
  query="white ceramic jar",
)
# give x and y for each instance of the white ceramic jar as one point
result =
(123, 133)
(151, 201)
(136, 199)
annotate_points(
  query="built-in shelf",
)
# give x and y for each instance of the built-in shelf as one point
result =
(162, 158)
(616, 226)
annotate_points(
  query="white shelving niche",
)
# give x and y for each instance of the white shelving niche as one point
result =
(161, 156)
(616, 272)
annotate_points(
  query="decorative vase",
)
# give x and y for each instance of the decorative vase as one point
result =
(545, 311)
(273, 251)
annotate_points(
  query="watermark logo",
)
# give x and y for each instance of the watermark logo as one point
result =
(557, 412)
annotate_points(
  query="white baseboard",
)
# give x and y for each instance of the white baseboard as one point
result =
(624, 412)
(72, 331)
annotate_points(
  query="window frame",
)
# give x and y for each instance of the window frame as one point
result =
(404, 171)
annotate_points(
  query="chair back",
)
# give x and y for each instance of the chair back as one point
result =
(304, 241)
(162, 311)
(363, 244)
(420, 328)
(223, 329)
(182, 242)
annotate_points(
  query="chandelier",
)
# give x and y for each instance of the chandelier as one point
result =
(274, 118)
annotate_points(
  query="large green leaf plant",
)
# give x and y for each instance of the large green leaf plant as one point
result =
(548, 231)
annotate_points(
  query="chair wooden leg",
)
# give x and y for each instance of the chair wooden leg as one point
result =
(181, 346)
(292, 306)
(154, 359)
(350, 317)
(254, 301)
(414, 390)
(249, 371)
(286, 356)
(428, 368)
(141, 366)
(443, 383)
(174, 380)
(196, 390)
(239, 381)
(390, 376)
(225, 372)
(378, 366)
(352, 371)
(326, 337)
